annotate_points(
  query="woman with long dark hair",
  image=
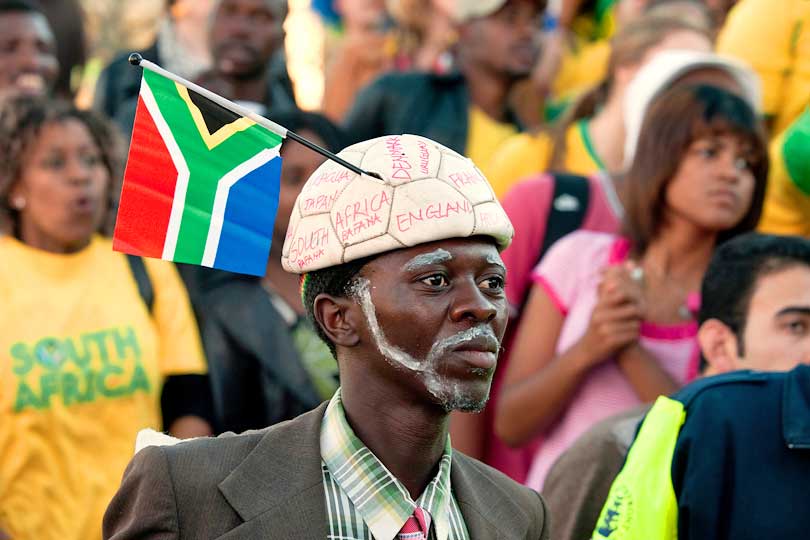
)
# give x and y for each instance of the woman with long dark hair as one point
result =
(610, 319)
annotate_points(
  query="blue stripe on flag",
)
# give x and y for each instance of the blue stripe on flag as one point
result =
(250, 213)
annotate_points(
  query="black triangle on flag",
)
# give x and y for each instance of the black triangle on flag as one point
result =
(214, 115)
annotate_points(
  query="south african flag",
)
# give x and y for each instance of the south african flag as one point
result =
(201, 183)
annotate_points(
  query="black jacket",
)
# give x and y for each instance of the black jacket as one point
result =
(426, 104)
(257, 377)
(741, 467)
(119, 84)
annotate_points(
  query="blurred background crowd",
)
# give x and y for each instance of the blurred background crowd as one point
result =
(626, 139)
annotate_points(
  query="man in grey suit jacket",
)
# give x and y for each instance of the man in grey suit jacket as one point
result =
(416, 332)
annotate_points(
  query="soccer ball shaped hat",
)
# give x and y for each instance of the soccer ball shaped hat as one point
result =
(427, 192)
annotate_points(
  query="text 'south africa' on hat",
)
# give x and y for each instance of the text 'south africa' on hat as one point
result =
(427, 193)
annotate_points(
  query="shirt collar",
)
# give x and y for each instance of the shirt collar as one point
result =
(795, 404)
(380, 499)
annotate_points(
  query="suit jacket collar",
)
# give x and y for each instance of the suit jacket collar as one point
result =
(281, 482)
(278, 489)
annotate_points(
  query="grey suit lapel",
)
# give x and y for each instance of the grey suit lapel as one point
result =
(278, 489)
(466, 489)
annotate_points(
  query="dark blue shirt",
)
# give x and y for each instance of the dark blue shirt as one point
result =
(741, 466)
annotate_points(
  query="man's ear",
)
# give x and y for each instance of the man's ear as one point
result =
(718, 343)
(337, 318)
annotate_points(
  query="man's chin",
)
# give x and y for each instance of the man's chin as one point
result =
(465, 403)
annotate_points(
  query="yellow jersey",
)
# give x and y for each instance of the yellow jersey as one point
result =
(773, 36)
(787, 200)
(485, 135)
(83, 363)
(527, 154)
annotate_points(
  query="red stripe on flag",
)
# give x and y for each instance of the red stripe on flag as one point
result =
(148, 191)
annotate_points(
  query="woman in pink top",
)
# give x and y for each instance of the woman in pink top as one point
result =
(609, 321)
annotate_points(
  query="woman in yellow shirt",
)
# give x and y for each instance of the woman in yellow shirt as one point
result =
(85, 363)
(590, 137)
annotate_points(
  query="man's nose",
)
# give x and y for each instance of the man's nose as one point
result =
(28, 57)
(471, 303)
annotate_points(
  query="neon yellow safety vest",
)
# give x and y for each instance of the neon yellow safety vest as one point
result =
(642, 504)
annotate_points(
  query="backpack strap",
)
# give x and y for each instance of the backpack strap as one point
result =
(139, 273)
(572, 194)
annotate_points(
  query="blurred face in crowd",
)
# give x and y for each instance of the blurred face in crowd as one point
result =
(299, 163)
(28, 61)
(60, 194)
(444, 348)
(245, 34)
(505, 41)
(714, 185)
(776, 334)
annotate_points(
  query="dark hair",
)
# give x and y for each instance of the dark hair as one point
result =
(20, 6)
(21, 121)
(628, 47)
(66, 19)
(334, 138)
(674, 120)
(735, 269)
(335, 281)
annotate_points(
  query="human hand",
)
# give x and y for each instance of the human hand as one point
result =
(616, 317)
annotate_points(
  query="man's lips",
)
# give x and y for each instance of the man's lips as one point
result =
(479, 352)
(30, 82)
(482, 343)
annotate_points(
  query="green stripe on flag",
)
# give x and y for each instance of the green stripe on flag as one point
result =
(206, 167)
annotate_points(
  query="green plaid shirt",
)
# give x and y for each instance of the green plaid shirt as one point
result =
(364, 501)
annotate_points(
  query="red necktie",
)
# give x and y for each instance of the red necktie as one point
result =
(417, 526)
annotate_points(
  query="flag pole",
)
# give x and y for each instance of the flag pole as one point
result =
(137, 60)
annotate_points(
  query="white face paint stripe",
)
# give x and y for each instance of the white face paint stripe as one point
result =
(426, 259)
(181, 186)
(434, 383)
(496, 260)
(224, 186)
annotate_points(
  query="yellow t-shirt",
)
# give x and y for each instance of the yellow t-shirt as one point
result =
(581, 69)
(787, 201)
(485, 135)
(82, 365)
(527, 154)
(773, 36)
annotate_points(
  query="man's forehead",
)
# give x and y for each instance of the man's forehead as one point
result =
(470, 249)
(23, 21)
(779, 289)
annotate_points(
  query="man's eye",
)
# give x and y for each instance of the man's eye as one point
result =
(435, 280)
(493, 283)
(797, 328)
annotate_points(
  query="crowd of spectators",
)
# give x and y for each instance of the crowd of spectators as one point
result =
(652, 156)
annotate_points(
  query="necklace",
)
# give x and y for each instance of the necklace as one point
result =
(686, 309)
